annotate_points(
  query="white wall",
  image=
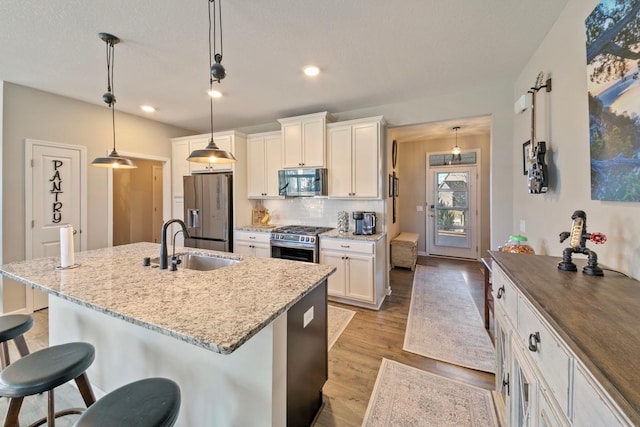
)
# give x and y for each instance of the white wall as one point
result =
(33, 114)
(564, 125)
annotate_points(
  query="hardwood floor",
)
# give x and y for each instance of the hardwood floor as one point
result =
(355, 358)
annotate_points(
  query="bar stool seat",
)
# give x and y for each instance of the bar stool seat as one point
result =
(43, 371)
(151, 402)
(12, 327)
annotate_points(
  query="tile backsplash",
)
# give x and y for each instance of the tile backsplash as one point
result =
(321, 211)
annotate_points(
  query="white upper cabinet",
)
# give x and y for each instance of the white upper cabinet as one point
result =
(304, 140)
(264, 159)
(354, 152)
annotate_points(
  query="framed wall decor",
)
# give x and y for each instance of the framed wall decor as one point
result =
(396, 187)
(390, 185)
(612, 38)
(394, 153)
(525, 156)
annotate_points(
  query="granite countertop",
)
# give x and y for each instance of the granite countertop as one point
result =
(335, 234)
(218, 310)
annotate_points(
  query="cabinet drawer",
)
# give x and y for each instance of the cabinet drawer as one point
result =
(251, 236)
(545, 350)
(347, 245)
(504, 293)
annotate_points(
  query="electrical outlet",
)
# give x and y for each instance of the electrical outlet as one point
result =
(307, 318)
(523, 226)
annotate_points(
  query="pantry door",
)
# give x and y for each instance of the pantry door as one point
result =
(452, 214)
(56, 175)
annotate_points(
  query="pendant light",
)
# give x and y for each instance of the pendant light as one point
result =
(211, 153)
(113, 160)
(456, 150)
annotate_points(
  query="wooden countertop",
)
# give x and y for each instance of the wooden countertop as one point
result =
(598, 318)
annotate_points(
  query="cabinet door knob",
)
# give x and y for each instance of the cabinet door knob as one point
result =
(500, 292)
(534, 340)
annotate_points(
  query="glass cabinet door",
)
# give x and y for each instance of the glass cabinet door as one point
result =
(523, 393)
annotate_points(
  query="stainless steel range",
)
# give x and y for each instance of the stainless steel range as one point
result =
(296, 242)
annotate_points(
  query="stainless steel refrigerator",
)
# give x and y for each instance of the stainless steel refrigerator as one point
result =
(208, 211)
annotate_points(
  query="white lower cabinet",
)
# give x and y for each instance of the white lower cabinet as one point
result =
(539, 380)
(252, 243)
(358, 278)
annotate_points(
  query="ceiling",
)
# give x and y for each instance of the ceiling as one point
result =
(370, 53)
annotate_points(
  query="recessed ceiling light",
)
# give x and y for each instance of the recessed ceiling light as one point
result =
(147, 108)
(311, 70)
(215, 93)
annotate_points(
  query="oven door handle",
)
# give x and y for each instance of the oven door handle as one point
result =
(292, 245)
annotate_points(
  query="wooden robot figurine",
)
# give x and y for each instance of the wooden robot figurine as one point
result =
(578, 242)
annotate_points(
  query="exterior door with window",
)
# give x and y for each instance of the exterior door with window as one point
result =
(452, 220)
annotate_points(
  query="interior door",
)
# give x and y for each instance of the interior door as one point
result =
(56, 200)
(453, 215)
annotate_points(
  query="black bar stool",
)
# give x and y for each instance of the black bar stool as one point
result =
(152, 402)
(12, 327)
(43, 371)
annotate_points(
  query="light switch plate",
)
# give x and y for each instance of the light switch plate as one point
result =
(419, 208)
(308, 317)
(523, 226)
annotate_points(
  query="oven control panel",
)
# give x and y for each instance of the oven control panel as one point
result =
(293, 238)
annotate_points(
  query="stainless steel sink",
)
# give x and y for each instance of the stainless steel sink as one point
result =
(200, 262)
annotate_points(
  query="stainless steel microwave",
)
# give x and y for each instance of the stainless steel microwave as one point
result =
(302, 182)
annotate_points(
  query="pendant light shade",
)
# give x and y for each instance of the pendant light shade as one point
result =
(113, 160)
(211, 154)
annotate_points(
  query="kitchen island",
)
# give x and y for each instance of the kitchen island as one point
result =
(246, 343)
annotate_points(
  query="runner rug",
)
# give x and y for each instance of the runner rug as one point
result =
(444, 322)
(406, 396)
(337, 319)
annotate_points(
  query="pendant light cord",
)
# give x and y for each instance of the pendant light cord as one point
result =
(110, 85)
(212, 47)
(210, 61)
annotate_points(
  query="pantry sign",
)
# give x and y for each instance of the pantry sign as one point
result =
(56, 189)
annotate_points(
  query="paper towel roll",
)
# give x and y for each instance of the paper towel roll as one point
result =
(66, 246)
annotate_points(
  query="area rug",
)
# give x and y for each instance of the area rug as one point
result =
(406, 396)
(444, 322)
(337, 319)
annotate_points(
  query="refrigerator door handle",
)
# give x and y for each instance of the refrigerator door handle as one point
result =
(193, 218)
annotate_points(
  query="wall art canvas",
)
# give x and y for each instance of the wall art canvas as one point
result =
(613, 68)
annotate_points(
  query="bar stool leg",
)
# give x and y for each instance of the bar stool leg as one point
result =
(4, 355)
(85, 389)
(21, 344)
(11, 419)
(51, 412)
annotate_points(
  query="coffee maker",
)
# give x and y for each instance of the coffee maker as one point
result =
(369, 223)
(358, 218)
